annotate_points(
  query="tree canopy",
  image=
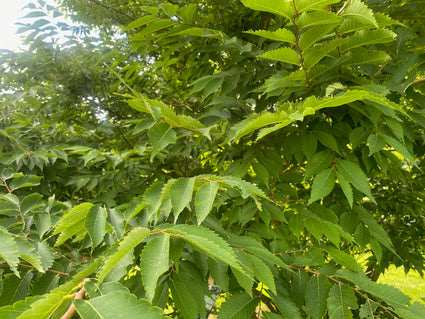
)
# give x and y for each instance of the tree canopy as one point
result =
(236, 158)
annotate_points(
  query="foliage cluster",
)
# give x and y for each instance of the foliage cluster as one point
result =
(170, 153)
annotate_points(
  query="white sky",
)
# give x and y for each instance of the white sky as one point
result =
(10, 12)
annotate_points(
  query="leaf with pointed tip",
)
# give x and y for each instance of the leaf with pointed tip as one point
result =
(282, 8)
(340, 302)
(316, 295)
(127, 244)
(346, 188)
(161, 135)
(95, 224)
(400, 148)
(323, 184)
(376, 143)
(358, 10)
(239, 306)
(285, 54)
(28, 253)
(355, 176)
(305, 5)
(154, 262)
(318, 162)
(283, 35)
(181, 195)
(204, 200)
(262, 272)
(117, 304)
(9, 250)
(344, 259)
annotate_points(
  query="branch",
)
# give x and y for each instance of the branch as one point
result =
(31, 267)
(420, 80)
(79, 295)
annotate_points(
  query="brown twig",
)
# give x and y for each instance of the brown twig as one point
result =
(70, 312)
(32, 267)
(420, 80)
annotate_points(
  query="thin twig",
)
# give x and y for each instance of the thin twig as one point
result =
(70, 312)
(32, 267)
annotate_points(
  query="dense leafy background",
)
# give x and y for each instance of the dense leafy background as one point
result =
(188, 158)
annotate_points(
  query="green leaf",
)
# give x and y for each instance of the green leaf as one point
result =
(30, 202)
(328, 141)
(376, 143)
(306, 5)
(24, 181)
(28, 253)
(183, 299)
(154, 262)
(357, 10)
(355, 176)
(204, 200)
(343, 259)
(286, 55)
(46, 255)
(283, 8)
(341, 299)
(140, 22)
(319, 162)
(126, 245)
(309, 19)
(262, 272)
(374, 228)
(316, 296)
(238, 306)
(346, 188)
(95, 224)
(44, 308)
(400, 148)
(313, 35)
(207, 242)
(152, 197)
(283, 35)
(9, 250)
(181, 195)
(323, 184)
(161, 135)
(118, 304)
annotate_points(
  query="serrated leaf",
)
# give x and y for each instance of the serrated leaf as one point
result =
(305, 5)
(316, 296)
(318, 162)
(286, 306)
(341, 299)
(95, 224)
(43, 308)
(204, 200)
(374, 228)
(262, 272)
(355, 176)
(30, 202)
(9, 250)
(285, 54)
(313, 35)
(376, 143)
(46, 255)
(283, 35)
(400, 148)
(344, 259)
(181, 195)
(185, 302)
(24, 181)
(282, 8)
(346, 188)
(118, 304)
(309, 19)
(239, 306)
(127, 244)
(140, 22)
(358, 10)
(161, 135)
(328, 141)
(323, 184)
(154, 262)
(28, 253)
(296, 224)
(207, 242)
